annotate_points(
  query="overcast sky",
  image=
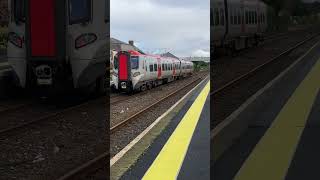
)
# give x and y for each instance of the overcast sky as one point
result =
(182, 27)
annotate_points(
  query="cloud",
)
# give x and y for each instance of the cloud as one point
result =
(201, 53)
(162, 24)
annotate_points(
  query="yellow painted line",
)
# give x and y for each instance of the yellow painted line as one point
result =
(168, 162)
(272, 156)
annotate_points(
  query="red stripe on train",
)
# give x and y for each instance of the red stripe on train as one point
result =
(123, 67)
(42, 29)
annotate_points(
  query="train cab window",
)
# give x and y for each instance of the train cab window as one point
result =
(222, 17)
(216, 17)
(134, 62)
(79, 11)
(19, 11)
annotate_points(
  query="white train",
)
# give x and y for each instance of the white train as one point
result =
(237, 24)
(58, 44)
(134, 71)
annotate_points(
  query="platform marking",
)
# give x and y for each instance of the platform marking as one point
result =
(169, 161)
(118, 156)
(272, 156)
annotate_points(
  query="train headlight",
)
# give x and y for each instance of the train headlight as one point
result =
(136, 74)
(15, 39)
(84, 40)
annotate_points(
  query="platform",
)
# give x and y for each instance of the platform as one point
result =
(180, 149)
(281, 140)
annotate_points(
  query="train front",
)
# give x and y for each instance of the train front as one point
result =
(58, 49)
(127, 68)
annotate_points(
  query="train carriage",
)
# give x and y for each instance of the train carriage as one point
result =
(238, 24)
(134, 71)
(58, 43)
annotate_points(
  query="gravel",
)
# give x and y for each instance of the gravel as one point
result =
(49, 149)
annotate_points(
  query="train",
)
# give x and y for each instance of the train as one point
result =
(58, 44)
(135, 71)
(238, 24)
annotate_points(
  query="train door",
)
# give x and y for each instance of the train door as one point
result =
(45, 40)
(16, 48)
(159, 68)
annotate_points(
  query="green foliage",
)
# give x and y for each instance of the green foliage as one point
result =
(200, 65)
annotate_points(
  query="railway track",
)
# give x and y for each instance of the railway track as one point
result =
(251, 73)
(34, 118)
(117, 98)
(134, 116)
(88, 168)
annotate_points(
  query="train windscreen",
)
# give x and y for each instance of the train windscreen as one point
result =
(134, 62)
(79, 11)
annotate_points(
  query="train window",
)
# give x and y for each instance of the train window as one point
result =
(155, 67)
(134, 62)
(247, 17)
(239, 17)
(19, 11)
(222, 17)
(162, 67)
(79, 11)
(216, 17)
(115, 62)
(151, 67)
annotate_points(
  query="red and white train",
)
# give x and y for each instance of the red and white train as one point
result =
(58, 44)
(134, 71)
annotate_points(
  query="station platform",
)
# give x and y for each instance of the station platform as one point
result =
(281, 140)
(179, 148)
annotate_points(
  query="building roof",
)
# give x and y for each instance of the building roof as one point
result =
(168, 54)
(118, 45)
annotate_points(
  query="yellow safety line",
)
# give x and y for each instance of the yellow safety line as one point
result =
(272, 156)
(168, 162)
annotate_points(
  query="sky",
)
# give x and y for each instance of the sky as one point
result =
(157, 26)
